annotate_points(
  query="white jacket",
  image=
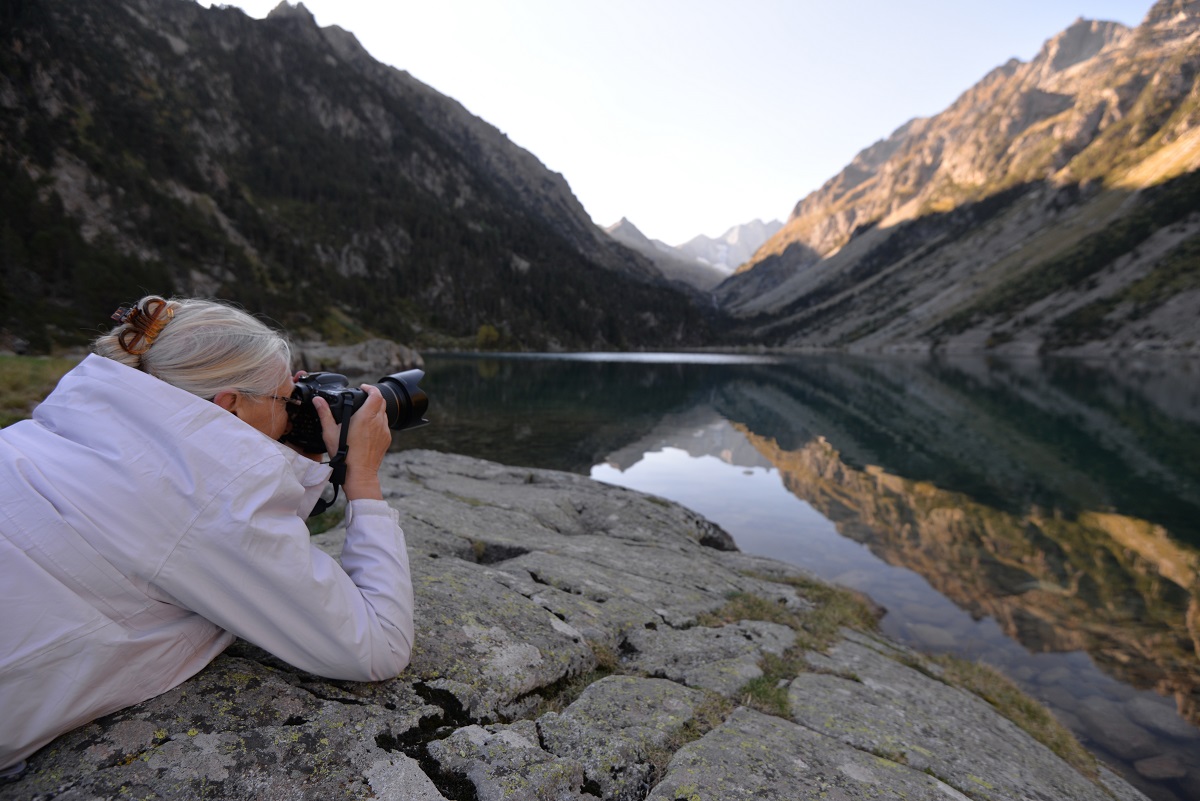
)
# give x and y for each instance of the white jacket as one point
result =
(142, 529)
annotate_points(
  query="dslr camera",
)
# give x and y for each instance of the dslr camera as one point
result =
(405, 402)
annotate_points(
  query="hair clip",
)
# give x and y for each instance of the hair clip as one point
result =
(125, 313)
(145, 324)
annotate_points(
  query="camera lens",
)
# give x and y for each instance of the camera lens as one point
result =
(406, 402)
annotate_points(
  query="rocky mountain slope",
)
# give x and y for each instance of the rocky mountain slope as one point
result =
(154, 145)
(672, 263)
(1051, 207)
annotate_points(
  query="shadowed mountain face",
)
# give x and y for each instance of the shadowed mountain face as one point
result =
(155, 145)
(1049, 208)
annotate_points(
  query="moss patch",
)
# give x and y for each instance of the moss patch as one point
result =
(816, 630)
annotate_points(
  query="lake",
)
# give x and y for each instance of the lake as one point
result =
(1040, 516)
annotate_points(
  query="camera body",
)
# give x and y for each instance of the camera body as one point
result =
(405, 402)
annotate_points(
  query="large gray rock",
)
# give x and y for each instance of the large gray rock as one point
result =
(368, 360)
(243, 728)
(491, 649)
(530, 586)
(616, 728)
(753, 755)
(882, 706)
(718, 659)
(506, 763)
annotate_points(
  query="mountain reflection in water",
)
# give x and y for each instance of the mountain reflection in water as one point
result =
(1041, 516)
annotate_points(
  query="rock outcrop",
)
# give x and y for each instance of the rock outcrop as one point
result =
(575, 640)
(367, 358)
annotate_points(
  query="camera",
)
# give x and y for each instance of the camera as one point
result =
(405, 402)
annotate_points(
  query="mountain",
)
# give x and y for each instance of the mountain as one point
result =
(1050, 208)
(734, 247)
(672, 263)
(155, 145)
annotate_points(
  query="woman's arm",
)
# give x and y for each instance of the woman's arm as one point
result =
(247, 565)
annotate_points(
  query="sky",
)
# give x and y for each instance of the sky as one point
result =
(691, 116)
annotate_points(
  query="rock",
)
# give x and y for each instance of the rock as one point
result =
(1113, 731)
(397, 776)
(753, 755)
(1058, 675)
(604, 742)
(718, 659)
(932, 637)
(1163, 766)
(492, 650)
(235, 730)
(531, 585)
(879, 705)
(1058, 696)
(369, 359)
(617, 730)
(1158, 715)
(505, 763)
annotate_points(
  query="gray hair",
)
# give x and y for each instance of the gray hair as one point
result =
(205, 348)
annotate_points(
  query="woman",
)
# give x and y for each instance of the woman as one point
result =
(149, 515)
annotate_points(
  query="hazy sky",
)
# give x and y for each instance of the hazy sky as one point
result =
(691, 116)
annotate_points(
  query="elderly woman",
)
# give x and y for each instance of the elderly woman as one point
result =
(149, 515)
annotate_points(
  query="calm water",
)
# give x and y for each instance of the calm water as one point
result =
(1041, 517)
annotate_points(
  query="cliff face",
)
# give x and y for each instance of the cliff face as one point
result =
(1047, 208)
(157, 145)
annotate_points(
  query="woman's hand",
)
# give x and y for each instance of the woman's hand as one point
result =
(367, 442)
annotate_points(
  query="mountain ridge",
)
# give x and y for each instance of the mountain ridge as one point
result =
(952, 233)
(153, 145)
(673, 263)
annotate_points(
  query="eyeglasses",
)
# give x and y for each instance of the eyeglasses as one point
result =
(287, 400)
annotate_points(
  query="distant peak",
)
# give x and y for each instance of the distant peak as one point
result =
(1166, 11)
(286, 10)
(1079, 42)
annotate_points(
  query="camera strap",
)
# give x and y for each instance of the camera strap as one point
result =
(338, 462)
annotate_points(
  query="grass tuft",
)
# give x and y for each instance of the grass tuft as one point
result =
(25, 381)
(1011, 702)
(816, 630)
